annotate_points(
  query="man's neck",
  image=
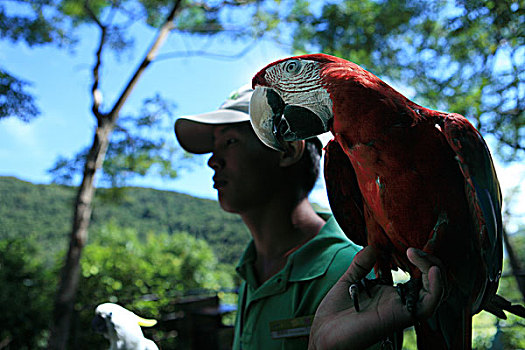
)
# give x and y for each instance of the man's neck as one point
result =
(277, 230)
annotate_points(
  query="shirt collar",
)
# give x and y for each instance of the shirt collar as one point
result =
(300, 266)
(323, 246)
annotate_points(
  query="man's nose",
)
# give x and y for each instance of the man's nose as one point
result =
(215, 162)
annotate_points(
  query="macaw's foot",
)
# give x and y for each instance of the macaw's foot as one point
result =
(364, 285)
(409, 293)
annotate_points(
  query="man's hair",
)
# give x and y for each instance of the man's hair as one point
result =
(308, 167)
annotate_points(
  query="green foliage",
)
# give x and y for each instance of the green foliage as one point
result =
(26, 294)
(353, 30)
(199, 18)
(162, 211)
(45, 212)
(147, 275)
(144, 275)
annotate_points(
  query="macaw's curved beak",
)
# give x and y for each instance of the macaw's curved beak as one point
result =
(276, 122)
(266, 110)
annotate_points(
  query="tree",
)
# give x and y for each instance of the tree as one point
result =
(94, 160)
(107, 16)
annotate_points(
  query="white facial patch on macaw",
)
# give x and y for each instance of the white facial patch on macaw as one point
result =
(299, 83)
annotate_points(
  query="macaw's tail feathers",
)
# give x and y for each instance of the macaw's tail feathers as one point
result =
(449, 329)
(497, 304)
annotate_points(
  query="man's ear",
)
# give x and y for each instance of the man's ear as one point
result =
(294, 152)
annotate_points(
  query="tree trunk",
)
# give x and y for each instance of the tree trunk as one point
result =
(65, 299)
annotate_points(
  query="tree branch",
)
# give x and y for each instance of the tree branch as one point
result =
(92, 14)
(150, 56)
(95, 92)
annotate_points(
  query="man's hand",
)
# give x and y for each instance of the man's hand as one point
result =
(337, 325)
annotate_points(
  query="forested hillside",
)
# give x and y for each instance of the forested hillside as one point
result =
(44, 213)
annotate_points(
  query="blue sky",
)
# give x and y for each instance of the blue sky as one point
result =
(61, 83)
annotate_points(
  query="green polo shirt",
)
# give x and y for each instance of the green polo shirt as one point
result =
(271, 315)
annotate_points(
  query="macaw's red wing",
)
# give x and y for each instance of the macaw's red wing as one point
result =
(483, 196)
(473, 288)
(344, 195)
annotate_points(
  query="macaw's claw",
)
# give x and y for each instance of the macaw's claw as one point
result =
(409, 293)
(354, 294)
(362, 285)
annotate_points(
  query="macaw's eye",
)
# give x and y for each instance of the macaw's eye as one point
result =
(292, 67)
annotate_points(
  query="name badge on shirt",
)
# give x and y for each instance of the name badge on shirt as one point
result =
(292, 327)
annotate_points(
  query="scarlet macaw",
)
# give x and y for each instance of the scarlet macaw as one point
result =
(398, 175)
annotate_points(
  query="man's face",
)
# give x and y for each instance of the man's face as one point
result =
(247, 173)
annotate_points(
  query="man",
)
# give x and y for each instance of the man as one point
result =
(295, 256)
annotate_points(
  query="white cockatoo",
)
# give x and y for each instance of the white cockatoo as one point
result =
(122, 328)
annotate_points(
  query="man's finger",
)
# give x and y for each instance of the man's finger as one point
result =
(434, 294)
(432, 281)
(420, 259)
(362, 264)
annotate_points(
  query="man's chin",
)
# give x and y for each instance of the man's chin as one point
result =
(223, 202)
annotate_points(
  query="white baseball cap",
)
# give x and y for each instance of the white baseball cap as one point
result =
(195, 132)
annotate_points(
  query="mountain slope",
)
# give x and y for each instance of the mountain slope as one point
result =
(44, 212)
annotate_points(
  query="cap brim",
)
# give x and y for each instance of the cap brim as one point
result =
(195, 133)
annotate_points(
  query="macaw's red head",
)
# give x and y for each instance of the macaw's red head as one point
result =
(292, 100)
